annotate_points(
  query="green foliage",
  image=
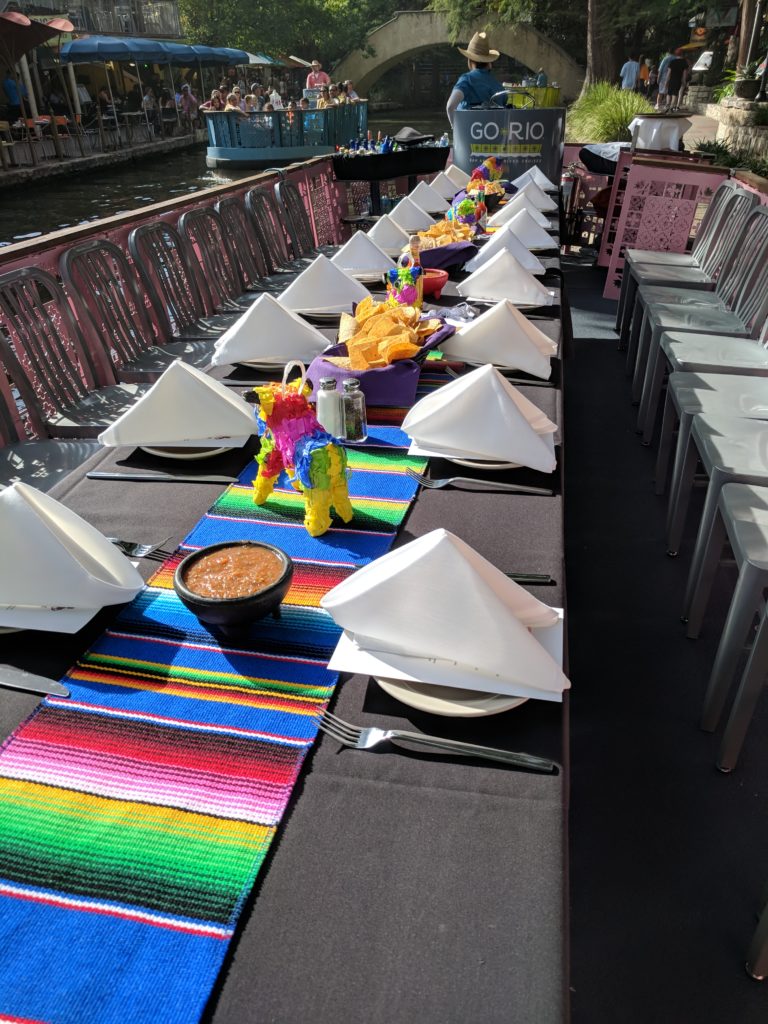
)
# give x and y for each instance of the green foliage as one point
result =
(724, 88)
(726, 156)
(602, 114)
(327, 29)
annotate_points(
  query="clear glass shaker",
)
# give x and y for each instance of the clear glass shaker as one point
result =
(328, 411)
(353, 406)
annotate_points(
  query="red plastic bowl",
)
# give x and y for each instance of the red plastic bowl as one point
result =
(434, 282)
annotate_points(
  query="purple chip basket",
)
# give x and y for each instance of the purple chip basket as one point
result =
(393, 385)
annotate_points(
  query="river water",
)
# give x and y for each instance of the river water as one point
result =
(64, 201)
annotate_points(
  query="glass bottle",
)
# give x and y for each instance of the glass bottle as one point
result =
(353, 406)
(328, 410)
(415, 250)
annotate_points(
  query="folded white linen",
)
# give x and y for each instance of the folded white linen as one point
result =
(438, 611)
(429, 199)
(505, 213)
(410, 216)
(185, 407)
(503, 277)
(268, 333)
(531, 234)
(323, 288)
(58, 570)
(482, 416)
(390, 237)
(445, 186)
(361, 255)
(505, 238)
(457, 176)
(539, 199)
(504, 337)
(538, 177)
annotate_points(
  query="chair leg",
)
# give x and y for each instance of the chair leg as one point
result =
(653, 386)
(622, 299)
(638, 318)
(686, 458)
(625, 322)
(750, 688)
(708, 514)
(668, 423)
(702, 587)
(757, 957)
(641, 359)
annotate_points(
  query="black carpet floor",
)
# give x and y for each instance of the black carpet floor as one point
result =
(669, 857)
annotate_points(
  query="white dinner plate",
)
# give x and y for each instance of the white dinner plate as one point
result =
(368, 276)
(448, 700)
(482, 463)
(190, 454)
(254, 364)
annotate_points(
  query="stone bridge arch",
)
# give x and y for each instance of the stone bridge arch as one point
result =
(411, 32)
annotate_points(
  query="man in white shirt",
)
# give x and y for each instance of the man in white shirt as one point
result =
(629, 73)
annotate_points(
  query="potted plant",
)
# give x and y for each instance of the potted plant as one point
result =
(746, 87)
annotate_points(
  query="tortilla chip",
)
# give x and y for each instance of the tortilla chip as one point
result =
(382, 326)
(399, 348)
(364, 309)
(347, 327)
(340, 361)
(426, 327)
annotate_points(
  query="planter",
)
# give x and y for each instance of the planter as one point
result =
(746, 88)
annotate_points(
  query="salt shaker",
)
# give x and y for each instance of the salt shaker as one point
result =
(329, 407)
(353, 407)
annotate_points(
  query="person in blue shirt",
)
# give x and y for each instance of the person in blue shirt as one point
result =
(476, 86)
(11, 91)
(541, 79)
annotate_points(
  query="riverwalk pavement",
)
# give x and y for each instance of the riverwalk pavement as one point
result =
(703, 129)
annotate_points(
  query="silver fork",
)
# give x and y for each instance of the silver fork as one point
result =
(468, 481)
(364, 739)
(135, 550)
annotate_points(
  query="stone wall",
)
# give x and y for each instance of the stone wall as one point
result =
(736, 125)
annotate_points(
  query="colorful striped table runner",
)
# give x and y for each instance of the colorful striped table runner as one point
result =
(134, 817)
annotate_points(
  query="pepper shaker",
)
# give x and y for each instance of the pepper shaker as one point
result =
(354, 414)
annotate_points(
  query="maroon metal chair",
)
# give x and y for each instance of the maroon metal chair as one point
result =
(26, 454)
(176, 287)
(75, 392)
(204, 230)
(241, 236)
(104, 290)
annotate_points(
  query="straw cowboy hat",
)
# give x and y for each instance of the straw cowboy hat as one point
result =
(478, 49)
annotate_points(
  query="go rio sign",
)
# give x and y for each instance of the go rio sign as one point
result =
(519, 139)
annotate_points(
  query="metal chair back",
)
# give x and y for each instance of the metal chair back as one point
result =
(268, 228)
(104, 290)
(242, 238)
(20, 418)
(176, 288)
(712, 218)
(751, 302)
(204, 231)
(720, 258)
(299, 225)
(40, 336)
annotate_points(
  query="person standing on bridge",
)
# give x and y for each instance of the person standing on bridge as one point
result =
(476, 86)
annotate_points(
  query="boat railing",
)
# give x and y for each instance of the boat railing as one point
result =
(327, 128)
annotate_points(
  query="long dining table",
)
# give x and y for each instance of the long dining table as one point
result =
(401, 885)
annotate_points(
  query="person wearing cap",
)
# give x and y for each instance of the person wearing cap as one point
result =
(317, 77)
(476, 86)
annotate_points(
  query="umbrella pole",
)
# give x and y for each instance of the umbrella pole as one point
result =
(173, 94)
(146, 113)
(72, 117)
(114, 108)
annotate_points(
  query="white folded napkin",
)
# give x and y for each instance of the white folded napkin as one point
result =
(503, 336)
(531, 234)
(457, 176)
(436, 611)
(268, 333)
(505, 238)
(58, 570)
(444, 185)
(502, 277)
(390, 237)
(482, 416)
(539, 199)
(323, 288)
(361, 255)
(536, 175)
(185, 407)
(429, 198)
(505, 213)
(410, 216)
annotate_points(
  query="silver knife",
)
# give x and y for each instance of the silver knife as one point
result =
(17, 679)
(166, 478)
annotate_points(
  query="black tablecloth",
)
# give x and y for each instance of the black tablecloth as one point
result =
(401, 887)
